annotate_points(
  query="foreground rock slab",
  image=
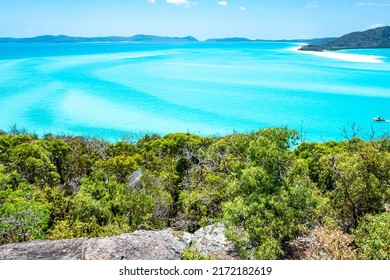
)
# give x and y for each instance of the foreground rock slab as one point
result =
(139, 245)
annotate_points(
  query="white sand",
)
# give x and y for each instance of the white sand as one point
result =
(345, 56)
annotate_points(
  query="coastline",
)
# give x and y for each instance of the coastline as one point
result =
(362, 58)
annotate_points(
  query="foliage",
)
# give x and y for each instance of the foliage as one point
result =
(373, 237)
(22, 218)
(266, 209)
(66, 229)
(193, 253)
(265, 187)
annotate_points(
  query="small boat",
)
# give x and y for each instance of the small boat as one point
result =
(379, 119)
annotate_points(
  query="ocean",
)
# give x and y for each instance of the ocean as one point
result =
(116, 90)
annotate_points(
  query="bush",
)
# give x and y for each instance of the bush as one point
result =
(193, 253)
(373, 237)
(21, 217)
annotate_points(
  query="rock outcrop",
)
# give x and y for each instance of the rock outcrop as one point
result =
(147, 245)
(139, 245)
(211, 240)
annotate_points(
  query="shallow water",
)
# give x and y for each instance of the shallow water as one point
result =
(108, 90)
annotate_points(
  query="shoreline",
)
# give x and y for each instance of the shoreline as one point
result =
(362, 58)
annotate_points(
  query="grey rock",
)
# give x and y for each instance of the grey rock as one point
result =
(211, 240)
(139, 245)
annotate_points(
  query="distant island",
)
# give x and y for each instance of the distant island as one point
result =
(69, 39)
(147, 39)
(372, 38)
(232, 39)
(243, 40)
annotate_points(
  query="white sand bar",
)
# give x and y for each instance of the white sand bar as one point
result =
(346, 56)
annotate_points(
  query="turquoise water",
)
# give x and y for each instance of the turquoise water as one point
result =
(110, 90)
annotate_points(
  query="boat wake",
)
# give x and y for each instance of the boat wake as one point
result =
(380, 119)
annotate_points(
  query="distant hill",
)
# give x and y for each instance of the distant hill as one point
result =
(69, 39)
(146, 38)
(316, 41)
(152, 38)
(372, 38)
(233, 39)
(241, 39)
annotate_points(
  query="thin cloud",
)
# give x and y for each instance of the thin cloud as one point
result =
(312, 5)
(152, 1)
(242, 8)
(373, 4)
(223, 3)
(185, 3)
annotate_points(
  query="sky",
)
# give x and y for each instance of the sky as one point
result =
(254, 19)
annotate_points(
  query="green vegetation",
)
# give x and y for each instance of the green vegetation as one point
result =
(373, 38)
(373, 237)
(192, 253)
(267, 189)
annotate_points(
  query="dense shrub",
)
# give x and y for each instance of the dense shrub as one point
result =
(373, 237)
(267, 189)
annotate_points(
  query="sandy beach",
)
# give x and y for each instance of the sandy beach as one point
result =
(345, 56)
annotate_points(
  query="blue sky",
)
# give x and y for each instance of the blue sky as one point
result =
(263, 19)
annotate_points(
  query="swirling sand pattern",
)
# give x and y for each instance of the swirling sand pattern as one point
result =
(107, 90)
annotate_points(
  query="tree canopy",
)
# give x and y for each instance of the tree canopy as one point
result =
(266, 186)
